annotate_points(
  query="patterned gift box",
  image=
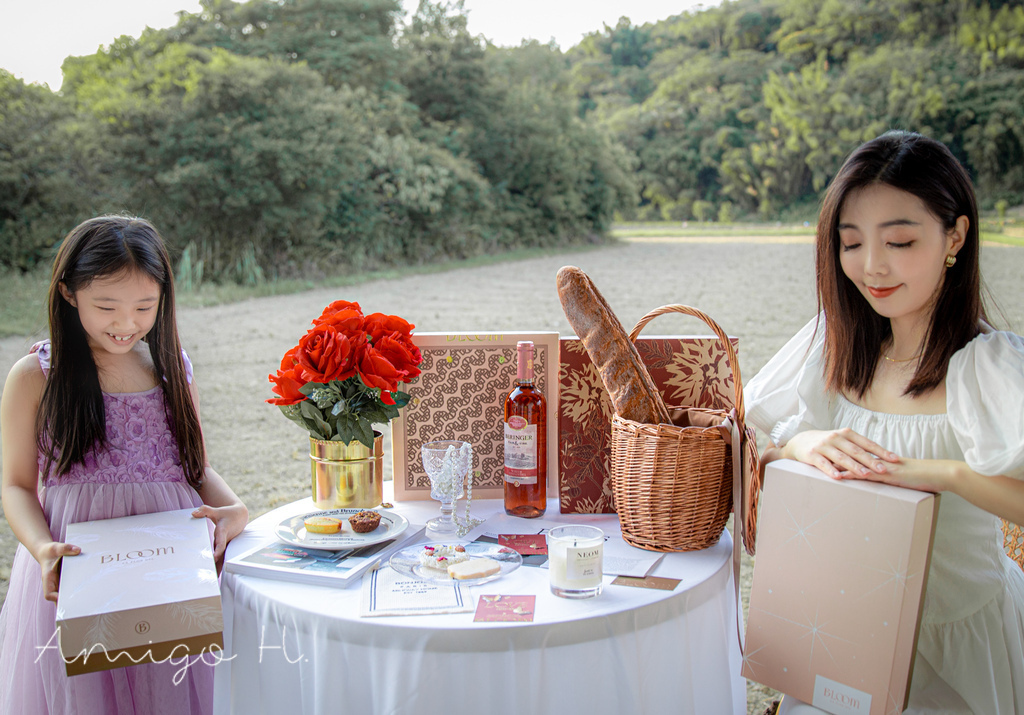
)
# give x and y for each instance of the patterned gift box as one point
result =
(838, 584)
(144, 588)
(690, 371)
(460, 394)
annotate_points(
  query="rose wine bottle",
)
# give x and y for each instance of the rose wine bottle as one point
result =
(526, 454)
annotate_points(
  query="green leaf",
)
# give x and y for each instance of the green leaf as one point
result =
(314, 430)
(364, 432)
(309, 387)
(292, 412)
(375, 414)
(323, 426)
(346, 428)
(309, 410)
(401, 399)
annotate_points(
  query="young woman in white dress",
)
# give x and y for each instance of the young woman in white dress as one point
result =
(900, 379)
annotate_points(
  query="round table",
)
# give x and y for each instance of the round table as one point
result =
(295, 648)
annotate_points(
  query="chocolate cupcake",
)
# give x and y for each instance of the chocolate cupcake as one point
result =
(365, 521)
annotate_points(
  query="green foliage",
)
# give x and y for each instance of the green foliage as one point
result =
(725, 212)
(757, 102)
(44, 173)
(343, 410)
(280, 139)
(275, 139)
(223, 151)
(445, 73)
(701, 210)
(1001, 207)
(347, 42)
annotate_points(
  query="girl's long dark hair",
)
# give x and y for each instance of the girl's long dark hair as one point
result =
(71, 420)
(854, 332)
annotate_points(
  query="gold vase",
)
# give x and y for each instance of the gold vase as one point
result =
(347, 475)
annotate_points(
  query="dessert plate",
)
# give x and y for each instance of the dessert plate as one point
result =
(293, 531)
(407, 563)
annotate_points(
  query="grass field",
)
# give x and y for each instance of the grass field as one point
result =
(23, 295)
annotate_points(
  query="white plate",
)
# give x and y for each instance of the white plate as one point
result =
(407, 563)
(293, 531)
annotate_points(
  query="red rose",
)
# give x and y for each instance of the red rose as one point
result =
(348, 320)
(378, 325)
(401, 353)
(377, 371)
(328, 352)
(337, 307)
(287, 381)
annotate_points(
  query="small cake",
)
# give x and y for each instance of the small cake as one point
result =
(365, 521)
(442, 556)
(474, 568)
(322, 525)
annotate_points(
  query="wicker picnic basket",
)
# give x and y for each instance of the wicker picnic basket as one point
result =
(674, 484)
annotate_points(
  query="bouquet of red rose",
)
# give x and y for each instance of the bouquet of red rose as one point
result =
(344, 374)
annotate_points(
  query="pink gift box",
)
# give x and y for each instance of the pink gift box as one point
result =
(838, 585)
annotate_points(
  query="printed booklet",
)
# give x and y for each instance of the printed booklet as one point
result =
(315, 566)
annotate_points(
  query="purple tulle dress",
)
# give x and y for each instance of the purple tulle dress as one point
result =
(138, 472)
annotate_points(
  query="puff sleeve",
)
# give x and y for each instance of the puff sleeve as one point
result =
(788, 395)
(985, 403)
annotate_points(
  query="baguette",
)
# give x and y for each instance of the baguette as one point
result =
(624, 374)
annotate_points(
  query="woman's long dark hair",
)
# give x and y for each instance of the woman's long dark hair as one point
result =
(854, 332)
(71, 420)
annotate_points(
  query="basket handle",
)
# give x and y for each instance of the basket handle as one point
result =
(734, 364)
(746, 487)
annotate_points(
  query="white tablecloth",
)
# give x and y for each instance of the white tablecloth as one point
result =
(295, 648)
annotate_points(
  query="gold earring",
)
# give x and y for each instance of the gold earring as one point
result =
(950, 260)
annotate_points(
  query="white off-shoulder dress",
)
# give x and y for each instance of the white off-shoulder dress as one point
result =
(970, 654)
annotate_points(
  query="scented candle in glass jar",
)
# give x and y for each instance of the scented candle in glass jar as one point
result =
(575, 560)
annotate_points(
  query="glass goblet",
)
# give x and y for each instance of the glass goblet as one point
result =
(447, 463)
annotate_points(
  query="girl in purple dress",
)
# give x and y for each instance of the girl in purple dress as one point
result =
(105, 413)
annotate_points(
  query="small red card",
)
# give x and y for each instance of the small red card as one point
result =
(505, 608)
(525, 544)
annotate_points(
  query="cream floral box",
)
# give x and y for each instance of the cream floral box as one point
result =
(144, 588)
(838, 585)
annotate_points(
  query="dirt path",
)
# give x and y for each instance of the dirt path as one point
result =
(761, 292)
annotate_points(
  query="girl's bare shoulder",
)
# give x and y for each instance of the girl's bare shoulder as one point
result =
(26, 379)
(27, 369)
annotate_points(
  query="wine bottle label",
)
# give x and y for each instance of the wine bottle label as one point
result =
(520, 451)
(583, 562)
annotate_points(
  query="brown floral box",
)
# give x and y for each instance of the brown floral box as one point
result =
(690, 371)
(460, 394)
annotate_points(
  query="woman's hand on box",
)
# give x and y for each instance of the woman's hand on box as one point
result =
(840, 453)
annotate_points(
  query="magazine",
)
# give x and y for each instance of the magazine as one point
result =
(291, 563)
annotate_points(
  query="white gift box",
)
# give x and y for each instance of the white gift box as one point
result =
(143, 589)
(839, 580)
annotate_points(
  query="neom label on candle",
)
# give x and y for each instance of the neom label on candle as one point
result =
(583, 562)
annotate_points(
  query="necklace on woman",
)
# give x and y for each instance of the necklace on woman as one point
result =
(903, 360)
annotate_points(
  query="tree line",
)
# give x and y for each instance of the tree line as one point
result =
(296, 137)
(749, 108)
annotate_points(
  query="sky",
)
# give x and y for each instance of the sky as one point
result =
(36, 35)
